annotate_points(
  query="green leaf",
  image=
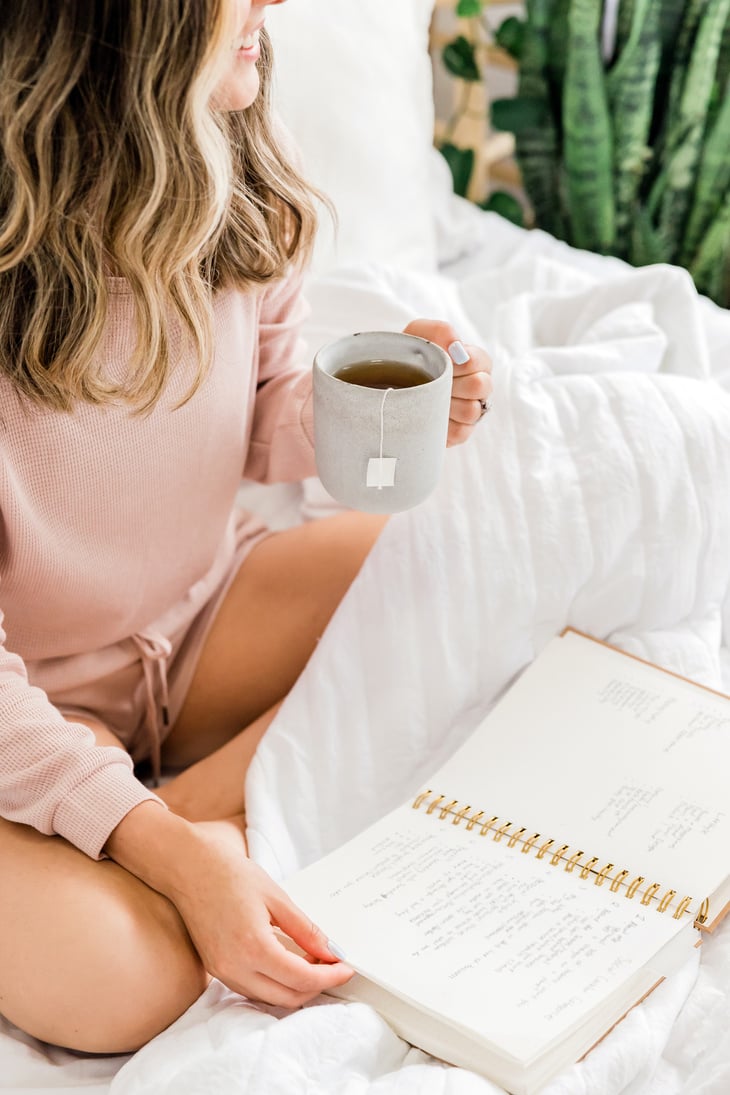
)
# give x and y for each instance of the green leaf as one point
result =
(683, 158)
(461, 162)
(538, 148)
(710, 264)
(587, 137)
(460, 59)
(469, 9)
(631, 86)
(510, 36)
(507, 206)
(519, 114)
(712, 182)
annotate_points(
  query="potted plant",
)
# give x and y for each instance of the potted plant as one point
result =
(622, 127)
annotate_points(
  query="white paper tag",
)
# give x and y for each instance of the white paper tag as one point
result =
(381, 471)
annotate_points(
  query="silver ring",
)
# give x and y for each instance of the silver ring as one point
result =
(486, 405)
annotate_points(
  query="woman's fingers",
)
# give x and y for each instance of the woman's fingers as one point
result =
(472, 386)
(472, 382)
(272, 992)
(266, 959)
(294, 971)
(299, 927)
(465, 412)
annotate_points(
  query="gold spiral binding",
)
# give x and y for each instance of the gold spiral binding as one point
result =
(616, 884)
(559, 855)
(435, 803)
(666, 900)
(514, 838)
(633, 887)
(586, 871)
(682, 908)
(573, 862)
(650, 892)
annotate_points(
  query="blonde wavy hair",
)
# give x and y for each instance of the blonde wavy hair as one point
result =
(113, 161)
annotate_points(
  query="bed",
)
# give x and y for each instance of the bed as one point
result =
(596, 494)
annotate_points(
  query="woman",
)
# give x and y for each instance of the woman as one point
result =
(152, 235)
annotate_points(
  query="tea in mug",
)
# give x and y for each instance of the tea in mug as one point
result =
(383, 374)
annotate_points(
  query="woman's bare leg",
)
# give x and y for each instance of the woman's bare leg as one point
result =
(107, 963)
(267, 628)
(212, 788)
(90, 957)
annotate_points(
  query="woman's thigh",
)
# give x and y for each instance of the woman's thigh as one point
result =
(90, 957)
(267, 627)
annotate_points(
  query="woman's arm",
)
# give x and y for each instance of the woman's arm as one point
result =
(53, 776)
(230, 907)
(281, 448)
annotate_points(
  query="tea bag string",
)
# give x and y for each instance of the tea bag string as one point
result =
(386, 393)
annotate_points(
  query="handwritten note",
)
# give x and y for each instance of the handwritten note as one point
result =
(499, 941)
(610, 755)
(623, 803)
(643, 704)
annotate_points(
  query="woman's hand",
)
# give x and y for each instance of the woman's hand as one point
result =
(230, 907)
(472, 386)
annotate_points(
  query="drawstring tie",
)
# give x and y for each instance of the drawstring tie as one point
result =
(155, 650)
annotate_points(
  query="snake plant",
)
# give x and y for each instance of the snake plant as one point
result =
(623, 132)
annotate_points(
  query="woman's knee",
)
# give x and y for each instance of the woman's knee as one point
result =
(90, 957)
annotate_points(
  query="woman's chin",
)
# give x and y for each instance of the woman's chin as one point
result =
(238, 92)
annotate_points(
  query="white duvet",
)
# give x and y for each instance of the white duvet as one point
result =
(596, 494)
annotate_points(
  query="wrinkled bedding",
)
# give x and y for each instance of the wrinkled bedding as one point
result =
(596, 494)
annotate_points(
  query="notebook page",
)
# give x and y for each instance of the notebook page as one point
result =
(595, 749)
(496, 941)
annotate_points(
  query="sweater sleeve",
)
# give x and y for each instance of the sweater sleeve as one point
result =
(53, 775)
(282, 438)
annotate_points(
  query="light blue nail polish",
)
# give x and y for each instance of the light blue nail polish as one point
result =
(458, 354)
(335, 950)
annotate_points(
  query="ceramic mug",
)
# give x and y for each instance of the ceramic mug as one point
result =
(380, 450)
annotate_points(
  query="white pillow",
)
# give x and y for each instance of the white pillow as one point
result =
(353, 83)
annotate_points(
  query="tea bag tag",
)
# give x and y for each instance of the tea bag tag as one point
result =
(381, 471)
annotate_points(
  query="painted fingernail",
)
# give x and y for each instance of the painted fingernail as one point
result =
(335, 950)
(458, 354)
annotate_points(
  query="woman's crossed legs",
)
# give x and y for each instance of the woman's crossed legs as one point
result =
(90, 957)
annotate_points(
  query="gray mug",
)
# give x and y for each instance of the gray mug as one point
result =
(380, 450)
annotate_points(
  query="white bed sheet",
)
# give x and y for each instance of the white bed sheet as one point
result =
(596, 494)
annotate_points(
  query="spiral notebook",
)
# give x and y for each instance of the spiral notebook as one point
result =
(563, 862)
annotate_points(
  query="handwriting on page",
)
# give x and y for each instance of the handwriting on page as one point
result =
(645, 705)
(686, 819)
(498, 931)
(678, 819)
(663, 813)
(648, 707)
(701, 722)
(530, 922)
(623, 803)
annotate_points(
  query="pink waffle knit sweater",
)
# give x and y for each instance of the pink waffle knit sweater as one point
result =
(113, 522)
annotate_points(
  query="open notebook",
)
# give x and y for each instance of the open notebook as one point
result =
(551, 873)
